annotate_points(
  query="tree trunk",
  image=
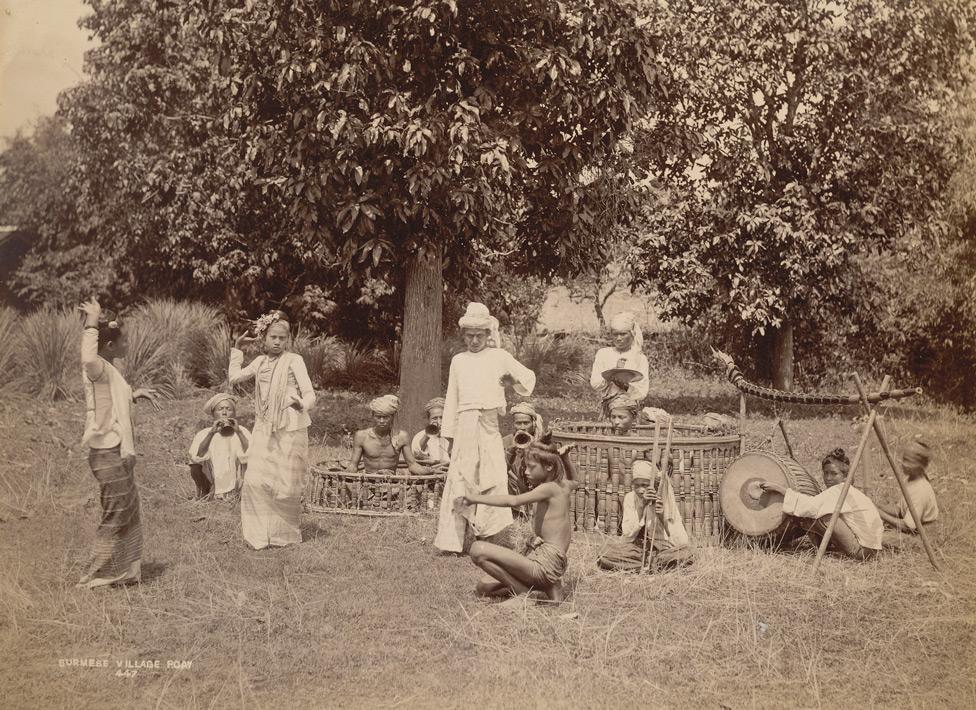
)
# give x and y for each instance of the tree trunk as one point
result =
(420, 352)
(783, 357)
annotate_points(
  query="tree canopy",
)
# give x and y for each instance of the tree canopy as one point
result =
(816, 133)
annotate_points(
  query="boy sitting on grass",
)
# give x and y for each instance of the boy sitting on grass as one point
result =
(651, 527)
(379, 449)
(914, 462)
(857, 533)
(552, 476)
(218, 453)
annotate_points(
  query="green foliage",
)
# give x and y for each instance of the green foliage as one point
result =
(323, 355)
(47, 361)
(208, 354)
(361, 368)
(815, 134)
(552, 358)
(8, 343)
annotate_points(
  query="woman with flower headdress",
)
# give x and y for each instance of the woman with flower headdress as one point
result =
(277, 471)
(109, 434)
(626, 353)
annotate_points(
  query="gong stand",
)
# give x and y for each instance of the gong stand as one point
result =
(874, 424)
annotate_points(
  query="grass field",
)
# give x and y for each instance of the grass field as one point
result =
(364, 613)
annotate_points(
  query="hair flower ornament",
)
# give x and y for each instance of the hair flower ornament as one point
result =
(262, 324)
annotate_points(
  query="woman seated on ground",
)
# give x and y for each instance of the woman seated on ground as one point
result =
(857, 532)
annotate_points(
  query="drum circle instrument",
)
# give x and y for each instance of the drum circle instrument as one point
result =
(757, 513)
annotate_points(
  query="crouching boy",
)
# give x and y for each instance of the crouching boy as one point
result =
(552, 479)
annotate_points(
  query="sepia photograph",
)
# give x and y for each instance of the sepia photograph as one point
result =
(436, 354)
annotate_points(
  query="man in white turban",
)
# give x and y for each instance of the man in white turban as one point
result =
(218, 453)
(625, 353)
(475, 398)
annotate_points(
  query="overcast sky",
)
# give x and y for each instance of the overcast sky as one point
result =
(41, 50)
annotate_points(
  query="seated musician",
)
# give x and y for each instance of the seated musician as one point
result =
(528, 426)
(653, 533)
(428, 446)
(623, 415)
(626, 352)
(858, 530)
(379, 448)
(914, 462)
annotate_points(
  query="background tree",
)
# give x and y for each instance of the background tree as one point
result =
(817, 135)
(405, 140)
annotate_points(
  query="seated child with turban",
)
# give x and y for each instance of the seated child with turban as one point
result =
(914, 462)
(651, 525)
(428, 446)
(218, 453)
(379, 447)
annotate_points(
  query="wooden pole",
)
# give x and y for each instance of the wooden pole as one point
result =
(665, 455)
(742, 422)
(899, 476)
(786, 438)
(850, 474)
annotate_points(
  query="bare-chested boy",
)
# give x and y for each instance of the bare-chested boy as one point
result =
(552, 477)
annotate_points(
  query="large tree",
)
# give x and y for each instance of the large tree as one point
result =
(414, 139)
(816, 134)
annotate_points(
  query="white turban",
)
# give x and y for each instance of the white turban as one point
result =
(387, 404)
(435, 403)
(644, 471)
(212, 403)
(476, 316)
(528, 410)
(627, 321)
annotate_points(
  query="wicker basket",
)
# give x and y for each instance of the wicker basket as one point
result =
(604, 464)
(335, 490)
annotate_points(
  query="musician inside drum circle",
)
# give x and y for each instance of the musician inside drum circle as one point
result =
(609, 374)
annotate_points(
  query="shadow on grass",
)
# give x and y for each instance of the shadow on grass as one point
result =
(152, 571)
(312, 530)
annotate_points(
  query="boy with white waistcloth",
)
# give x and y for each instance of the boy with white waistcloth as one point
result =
(475, 398)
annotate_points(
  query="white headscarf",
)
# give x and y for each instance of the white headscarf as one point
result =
(627, 321)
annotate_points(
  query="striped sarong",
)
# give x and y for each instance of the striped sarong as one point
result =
(117, 554)
(271, 497)
(625, 556)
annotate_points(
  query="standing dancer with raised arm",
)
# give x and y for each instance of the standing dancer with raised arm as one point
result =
(117, 557)
(277, 470)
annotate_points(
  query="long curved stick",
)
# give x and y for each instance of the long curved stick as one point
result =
(736, 377)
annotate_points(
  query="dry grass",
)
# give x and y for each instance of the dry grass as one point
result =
(364, 614)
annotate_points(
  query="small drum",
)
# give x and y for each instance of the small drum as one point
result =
(758, 513)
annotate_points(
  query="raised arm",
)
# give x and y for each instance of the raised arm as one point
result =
(568, 465)
(235, 373)
(90, 362)
(524, 377)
